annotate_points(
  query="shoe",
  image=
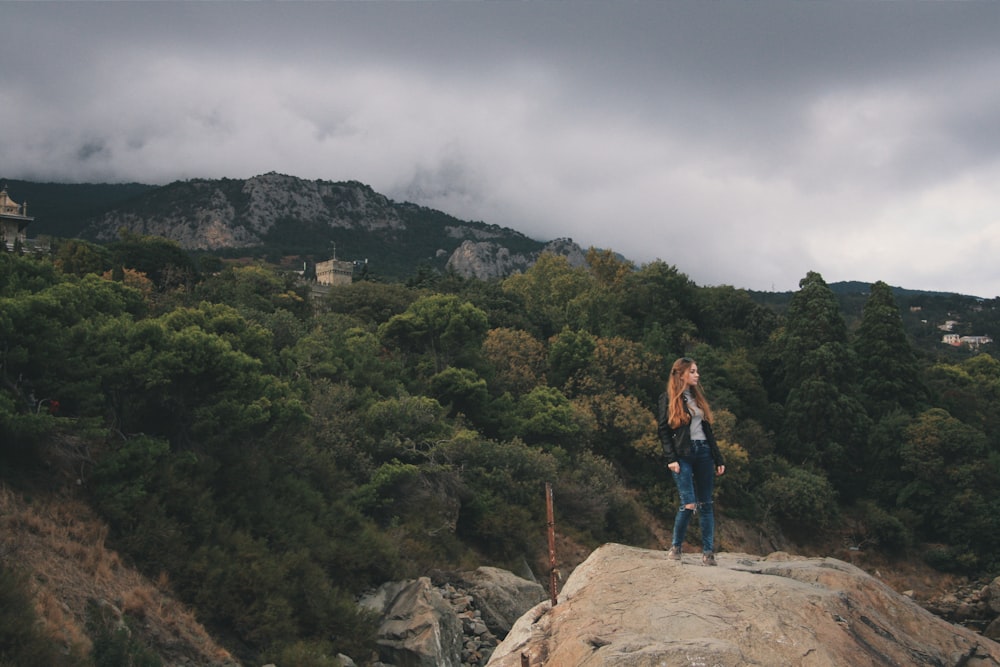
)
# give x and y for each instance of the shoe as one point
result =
(708, 558)
(674, 553)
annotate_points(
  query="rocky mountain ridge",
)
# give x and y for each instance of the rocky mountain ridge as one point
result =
(313, 218)
(205, 214)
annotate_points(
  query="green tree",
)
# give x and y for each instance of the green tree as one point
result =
(338, 349)
(545, 417)
(733, 381)
(517, 360)
(59, 343)
(814, 320)
(825, 423)
(462, 390)
(729, 317)
(801, 498)
(550, 291)
(255, 289)
(597, 308)
(78, 257)
(443, 328)
(195, 377)
(21, 275)
(984, 371)
(162, 260)
(658, 303)
(623, 366)
(505, 512)
(372, 303)
(890, 376)
(571, 354)
(950, 487)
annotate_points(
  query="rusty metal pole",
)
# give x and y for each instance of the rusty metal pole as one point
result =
(553, 573)
(525, 662)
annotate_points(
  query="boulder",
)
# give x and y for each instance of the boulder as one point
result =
(633, 607)
(500, 596)
(992, 595)
(993, 629)
(418, 627)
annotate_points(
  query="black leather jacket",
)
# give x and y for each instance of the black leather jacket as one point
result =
(676, 442)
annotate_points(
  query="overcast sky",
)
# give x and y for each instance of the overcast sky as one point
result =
(747, 143)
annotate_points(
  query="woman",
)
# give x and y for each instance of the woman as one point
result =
(685, 430)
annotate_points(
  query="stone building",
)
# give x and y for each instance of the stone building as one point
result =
(14, 220)
(334, 272)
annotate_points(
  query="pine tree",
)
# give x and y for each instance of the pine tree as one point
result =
(890, 376)
(825, 424)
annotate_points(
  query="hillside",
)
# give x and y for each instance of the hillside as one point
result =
(85, 592)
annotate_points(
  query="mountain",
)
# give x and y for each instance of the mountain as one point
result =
(275, 215)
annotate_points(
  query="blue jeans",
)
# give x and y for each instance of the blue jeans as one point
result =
(695, 483)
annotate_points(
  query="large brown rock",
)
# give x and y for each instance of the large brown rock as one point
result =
(632, 607)
(501, 596)
(418, 627)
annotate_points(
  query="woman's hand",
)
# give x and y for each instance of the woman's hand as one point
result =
(675, 467)
(720, 470)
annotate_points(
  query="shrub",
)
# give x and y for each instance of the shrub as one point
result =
(886, 530)
(115, 645)
(800, 498)
(23, 643)
(305, 654)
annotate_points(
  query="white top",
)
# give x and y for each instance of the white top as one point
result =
(697, 430)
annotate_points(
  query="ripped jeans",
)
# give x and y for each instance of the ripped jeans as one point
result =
(695, 483)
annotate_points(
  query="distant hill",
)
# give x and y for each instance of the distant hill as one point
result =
(274, 215)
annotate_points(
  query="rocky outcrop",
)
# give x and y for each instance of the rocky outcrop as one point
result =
(489, 260)
(485, 260)
(352, 205)
(455, 621)
(213, 214)
(971, 605)
(500, 596)
(632, 607)
(573, 253)
(418, 628)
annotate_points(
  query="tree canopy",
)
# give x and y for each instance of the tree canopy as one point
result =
(276, 453)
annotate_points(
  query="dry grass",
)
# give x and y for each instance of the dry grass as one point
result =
(61, 542)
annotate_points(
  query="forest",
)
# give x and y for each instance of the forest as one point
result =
(276, 454)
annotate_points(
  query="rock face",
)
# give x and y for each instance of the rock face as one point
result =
(418, 628)
(213, 214)
(501, 596)
(632, 607)
(489, 260)
(454, 622)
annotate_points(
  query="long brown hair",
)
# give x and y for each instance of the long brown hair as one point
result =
(677, 415)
